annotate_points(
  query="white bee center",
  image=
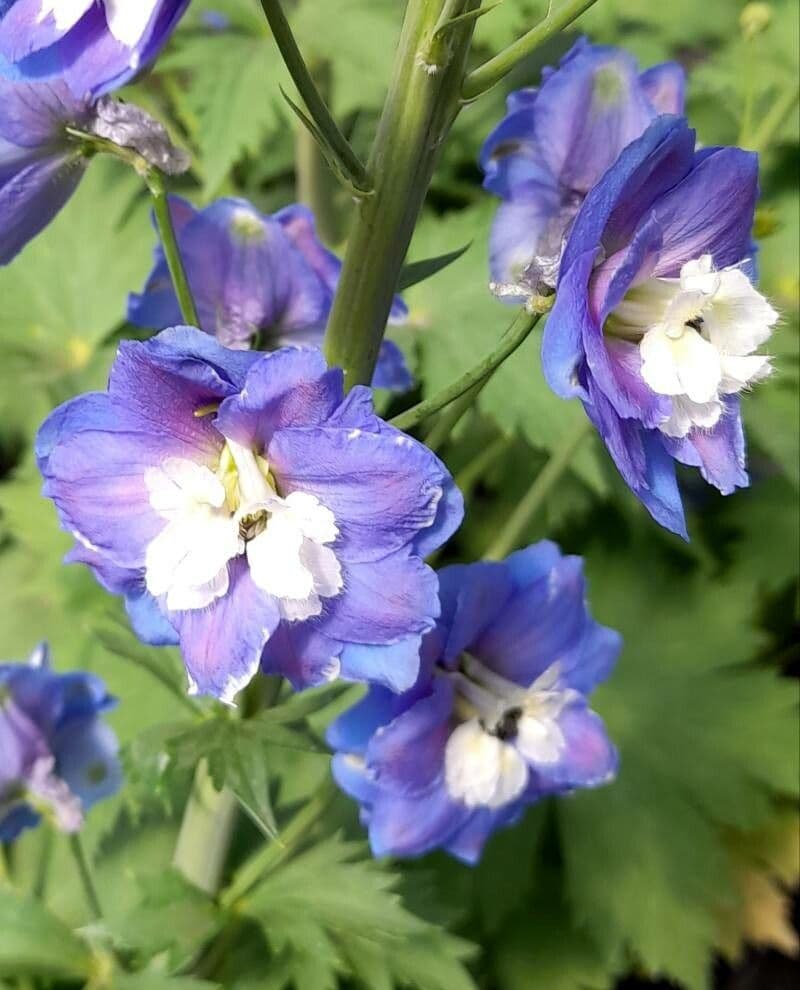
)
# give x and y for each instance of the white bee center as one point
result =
(127, 19)
(506, 730)
(213, 517)
(696, 337)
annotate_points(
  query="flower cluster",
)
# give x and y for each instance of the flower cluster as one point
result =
(498, 717)
(257, 281)
(57, 756)
(248, 510)
(647, 242)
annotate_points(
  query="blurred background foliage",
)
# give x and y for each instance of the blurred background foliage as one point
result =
(690, 858)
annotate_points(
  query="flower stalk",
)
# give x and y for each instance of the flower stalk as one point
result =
(169, 243)
(86, 877)
(423, 102)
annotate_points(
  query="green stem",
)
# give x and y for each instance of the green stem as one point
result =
(316, 106)
(86, 878)
(253, 871)
(487, 75)
(536, 495)
(206, 833)
(315, 184)
(422, 103)
(5, 872)
(452, 416)
(172, 253)
(43, 863)
(476, 376)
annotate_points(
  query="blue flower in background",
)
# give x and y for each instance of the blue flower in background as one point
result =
(243, 506)
(498, 718)
(40, 167)
(656, 321)
(93, 45)
(57, 756)
(256, 280)
(554, 144)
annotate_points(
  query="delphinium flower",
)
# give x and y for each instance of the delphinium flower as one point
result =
(498, 718)
(57, 756)
(92, 45)
(553, 145)
(244, 506)
(257, 281)
(657, 320)
(43, 157)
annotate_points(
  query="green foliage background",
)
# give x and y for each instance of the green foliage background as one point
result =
(645, 875)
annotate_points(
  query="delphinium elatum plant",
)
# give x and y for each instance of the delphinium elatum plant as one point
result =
(419, 676)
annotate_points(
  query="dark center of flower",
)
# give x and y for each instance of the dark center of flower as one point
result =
(506, 727)
(695, 324)
(97, 773)
(253, 524)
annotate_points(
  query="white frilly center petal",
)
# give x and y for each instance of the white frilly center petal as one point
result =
(696, 337)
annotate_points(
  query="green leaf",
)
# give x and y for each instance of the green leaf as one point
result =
(418, 271)
(149, 980)
(34, 942)
(329, 911)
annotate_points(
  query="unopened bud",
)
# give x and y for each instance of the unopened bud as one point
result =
(754, 19)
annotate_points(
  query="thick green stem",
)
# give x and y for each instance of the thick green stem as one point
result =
(170, 245)
(205, 834)
(475, 377)
(491, 72)
(306, 87)
(86, 878)
(534, 498)
(422, 104)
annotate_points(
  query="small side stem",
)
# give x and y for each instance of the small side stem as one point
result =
(306, 87)
(533, 500)
(172, 253)
(315, 184)
(206, 832)
(487, 75)
(476, 376)
(773, 119)
(263, 862)
(86, 877)
(43, 865)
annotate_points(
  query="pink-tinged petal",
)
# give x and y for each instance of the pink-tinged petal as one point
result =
(665, 87)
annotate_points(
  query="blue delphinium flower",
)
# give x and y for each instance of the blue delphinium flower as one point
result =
(656, 320)
(498, 718)
(93, 45)
(257, 280)
(57, 756)
(40, 167)
(554, 144)
(244, 506)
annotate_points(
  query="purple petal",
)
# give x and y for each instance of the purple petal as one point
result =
(301, 654)
(395, 666)
(589, 758)
(665, 87)
(222, 644)
(353, 729)
(411, 826)
(391, 371)
(472, 595)
(719, 452)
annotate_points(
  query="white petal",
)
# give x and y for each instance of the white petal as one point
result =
(298, 609)
(66, 13)
(684, 307)
(254, 488)
(741, 318)
(178, 484)
(128, 19)
(316, 521)
(325, 568)
(687, 365)
(739, 372)
(539, 740)
(182, 598)
(686, 415)
(646, 304)
(480, 769)
(275, 563)
(190, 552)
(699, 276)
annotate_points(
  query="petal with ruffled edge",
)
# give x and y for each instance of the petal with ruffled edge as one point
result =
(719, 452)
(406, 755)
(222, 644)
(302, 655)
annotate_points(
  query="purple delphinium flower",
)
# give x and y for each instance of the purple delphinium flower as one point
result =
(257, 281)
(93, 45)
(554, 144)
(40, 166)
(656, 320)
(498, 718)
(57, 756)
(244, 506)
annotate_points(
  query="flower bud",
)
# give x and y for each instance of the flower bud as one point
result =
(754, 19)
